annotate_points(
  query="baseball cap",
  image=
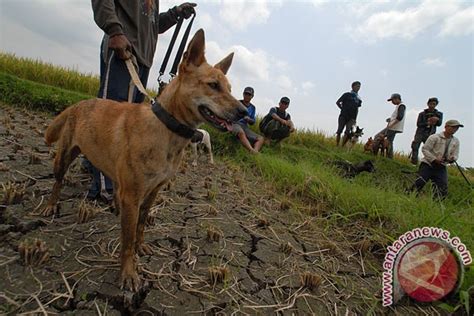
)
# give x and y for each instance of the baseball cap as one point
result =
(248, 90)
(395, 96)
(454, 123)
(433, 99)
(285, 100)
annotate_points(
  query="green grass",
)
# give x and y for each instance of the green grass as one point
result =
(301, 168)
(46, 73)
(16, 91)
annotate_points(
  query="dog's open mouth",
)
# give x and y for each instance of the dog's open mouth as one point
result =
(217, 122)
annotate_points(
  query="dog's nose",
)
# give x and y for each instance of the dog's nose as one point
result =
(242, 112)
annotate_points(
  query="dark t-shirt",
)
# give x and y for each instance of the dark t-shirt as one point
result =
(349, 104)
(283, 115)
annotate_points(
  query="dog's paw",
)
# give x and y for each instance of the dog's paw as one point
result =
(144, 250)
(129, 280)
(49, 210)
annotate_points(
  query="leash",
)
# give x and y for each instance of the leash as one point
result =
(462, 173)
(179, 53)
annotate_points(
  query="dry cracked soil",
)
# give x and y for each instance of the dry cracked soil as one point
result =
(224, 242)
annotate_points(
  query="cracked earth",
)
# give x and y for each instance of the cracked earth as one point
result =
(223, 240)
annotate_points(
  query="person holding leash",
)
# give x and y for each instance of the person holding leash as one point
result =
(249, 139)
(349, 103)
(438, 151)
(130, 28)
(395, 124)
(426, 124)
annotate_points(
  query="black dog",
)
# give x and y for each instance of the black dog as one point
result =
(354, 136)
(350, 170)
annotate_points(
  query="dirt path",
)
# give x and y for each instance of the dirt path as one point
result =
(223, 243)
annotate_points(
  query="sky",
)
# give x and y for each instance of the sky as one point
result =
(310, 51)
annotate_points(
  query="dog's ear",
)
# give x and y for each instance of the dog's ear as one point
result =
(195, 53)
(225, 63)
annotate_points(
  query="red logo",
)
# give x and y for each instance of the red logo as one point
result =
(428, 271)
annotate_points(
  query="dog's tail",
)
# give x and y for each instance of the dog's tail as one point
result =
(53, 132)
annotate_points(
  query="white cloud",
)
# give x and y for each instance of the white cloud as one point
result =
(240, 14)
(461, 23)
(285, 84)
(435, 62)
(408, 23)
(319, 3)
(361, 8)
(307, 86)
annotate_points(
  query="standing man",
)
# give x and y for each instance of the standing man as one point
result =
(438, 151)
(247, 137)
(130, 28)
(426, 124)
(277, 124)
(349, 103)
(395, 124)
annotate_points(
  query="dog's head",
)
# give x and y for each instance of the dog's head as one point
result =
(369, 143)
(201, 92)
(359, 131)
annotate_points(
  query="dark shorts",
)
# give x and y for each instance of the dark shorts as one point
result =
(348, 123)
(251, 135)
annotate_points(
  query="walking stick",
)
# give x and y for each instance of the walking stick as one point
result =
(463, 175)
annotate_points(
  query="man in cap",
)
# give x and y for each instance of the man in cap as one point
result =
(426, 124)
(438, 151)
(249, 139)
(395, 125)
(349, 103)
(277, 124)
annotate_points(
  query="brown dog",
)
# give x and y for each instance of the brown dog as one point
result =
(368, 145)
(135, 149)
(381, 144)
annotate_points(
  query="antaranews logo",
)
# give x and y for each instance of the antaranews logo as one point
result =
(425, 264)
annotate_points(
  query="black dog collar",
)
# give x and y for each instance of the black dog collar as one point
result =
(171, 122)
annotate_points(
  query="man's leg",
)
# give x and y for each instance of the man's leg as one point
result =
(254, 138)
(415, 146)
(440, 182)
(349, 124)
(424, 175)
(341, 122)
(238, 131)
(390, 137)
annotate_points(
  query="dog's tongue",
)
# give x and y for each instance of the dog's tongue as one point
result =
(228, 125)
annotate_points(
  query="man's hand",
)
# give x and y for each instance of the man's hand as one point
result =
(451, 160)
(433, 120)
(121, 45)
(186, 9)
(437, 162)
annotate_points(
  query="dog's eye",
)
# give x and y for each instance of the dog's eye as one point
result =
(214, 85)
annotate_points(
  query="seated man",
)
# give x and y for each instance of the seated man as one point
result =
(247, 137)
(277, 124)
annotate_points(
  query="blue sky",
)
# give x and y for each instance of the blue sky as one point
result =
(309, 51)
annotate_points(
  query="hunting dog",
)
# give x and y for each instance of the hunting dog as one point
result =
(368, 145)
(350, 170)
(354, 137)
(381, 144)
(135, 149)
(203, 138)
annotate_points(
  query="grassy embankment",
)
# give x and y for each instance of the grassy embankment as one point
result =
(300, 168)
